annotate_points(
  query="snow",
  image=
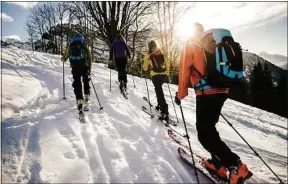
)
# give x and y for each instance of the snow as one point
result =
(43, 141)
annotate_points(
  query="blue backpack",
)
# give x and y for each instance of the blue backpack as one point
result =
(225, 66)
(76, 50)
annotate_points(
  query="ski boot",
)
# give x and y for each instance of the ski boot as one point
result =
(121, 86)
(79, 104)
(157, 108)
(238, 174)
(125, 87)
(214, 167)
(80, 110)
(164, 117)
(86, 102)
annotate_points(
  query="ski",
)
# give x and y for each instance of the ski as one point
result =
(186, 157)
(124, 93)
(172, 122)
(198, 159)
(147, 112)
(179, 140)
(169, 122)
(146, 100)
(81, 117)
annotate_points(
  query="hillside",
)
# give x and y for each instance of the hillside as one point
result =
(278, 60)
(250, 59)
(42, 140)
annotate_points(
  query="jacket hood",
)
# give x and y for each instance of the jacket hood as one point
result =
(119, 38)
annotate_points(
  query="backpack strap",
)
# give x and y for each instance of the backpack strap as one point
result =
(223, 63)
(202, 84)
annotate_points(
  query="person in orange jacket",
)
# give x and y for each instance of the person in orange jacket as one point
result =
(209, 101)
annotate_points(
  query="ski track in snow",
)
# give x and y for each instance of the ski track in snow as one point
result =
(44, 142)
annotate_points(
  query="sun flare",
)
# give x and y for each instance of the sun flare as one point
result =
(183, 31)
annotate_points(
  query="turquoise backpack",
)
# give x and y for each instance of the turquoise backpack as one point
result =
(225, 66)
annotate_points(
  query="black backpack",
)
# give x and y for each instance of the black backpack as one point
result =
(225, 66)
(158, 62)
(76, 50)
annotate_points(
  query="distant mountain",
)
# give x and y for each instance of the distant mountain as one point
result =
(277, 59)
(250, 59)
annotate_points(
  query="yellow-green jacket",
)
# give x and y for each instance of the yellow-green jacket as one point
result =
(148, 64)
(87, 55)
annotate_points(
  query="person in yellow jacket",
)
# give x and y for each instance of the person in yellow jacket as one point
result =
(80, 62)
(155, 61)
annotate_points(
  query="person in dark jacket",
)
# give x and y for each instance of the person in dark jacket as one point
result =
(120, 51)
(80, 61)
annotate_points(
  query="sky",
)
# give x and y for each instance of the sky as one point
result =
(257, 26)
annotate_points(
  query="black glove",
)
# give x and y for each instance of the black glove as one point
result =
(177, 101)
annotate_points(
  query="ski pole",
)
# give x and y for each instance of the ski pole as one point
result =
(133, 81)
(148, 93)
(132, 75)
(63, 84)
(187, 136)
(172, 102)
(255, 152)
(96, 94)
(110, 78)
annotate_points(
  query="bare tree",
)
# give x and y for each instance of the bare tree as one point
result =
(38, 24)
(99, 22)
(61, 9)
(31, 33)
(168, 14)
(111, 18)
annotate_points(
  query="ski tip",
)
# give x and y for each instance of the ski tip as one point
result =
(181, 150)
(169, 131)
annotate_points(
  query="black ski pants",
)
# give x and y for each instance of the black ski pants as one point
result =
(78, 72)
(208, 109)
(158, 81)
(121, 67)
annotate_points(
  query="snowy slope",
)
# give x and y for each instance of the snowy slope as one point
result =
(16, 43)
(44, 142)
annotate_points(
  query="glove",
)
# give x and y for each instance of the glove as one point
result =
(177, 101)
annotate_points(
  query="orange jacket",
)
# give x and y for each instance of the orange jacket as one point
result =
(193, 54)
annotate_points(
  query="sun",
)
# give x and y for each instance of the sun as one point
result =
(183, 31)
